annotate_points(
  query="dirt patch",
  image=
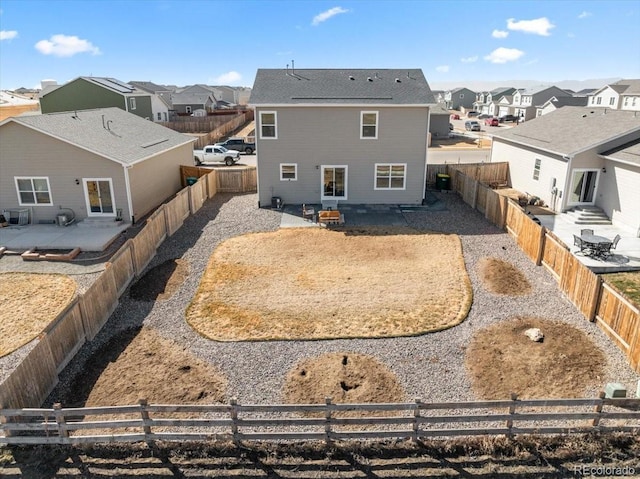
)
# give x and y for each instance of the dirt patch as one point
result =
(502, 360)
(345, 377)
(30, 301)
(315, 283)
(140, 364)
(160, 282)
(501, 277)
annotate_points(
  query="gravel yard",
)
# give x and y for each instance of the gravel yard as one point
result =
(430, 367)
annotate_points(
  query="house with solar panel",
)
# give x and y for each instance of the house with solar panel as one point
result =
(334, 136)
(86, 93)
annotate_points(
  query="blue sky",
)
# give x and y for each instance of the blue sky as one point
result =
(225, 42)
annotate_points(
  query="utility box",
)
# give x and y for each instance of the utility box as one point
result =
(615, 390)
(276, 202)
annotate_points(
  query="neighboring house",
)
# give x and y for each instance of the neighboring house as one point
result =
(554, 103)
(459, 98)
(86, 93)
(577, 156)
(187, 102)
(525, 102)
(243, 95)
(439, 122)
(96, 162)
(621, 95)
(504, 105)
(347, 135)
(161, 105)
(488, 102)
(225, 93)
(438, 95)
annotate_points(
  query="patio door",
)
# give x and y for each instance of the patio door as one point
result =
(99, 196)
(334, 182)
(583, 187)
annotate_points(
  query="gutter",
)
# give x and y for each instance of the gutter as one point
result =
(128, 189)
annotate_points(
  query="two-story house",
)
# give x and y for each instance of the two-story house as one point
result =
(161, 105)
(488, 102)
(194, 97)
(621, 95)
(347, 135)
(459, 98)
(554, 103)
(525, 102)
(85, 93)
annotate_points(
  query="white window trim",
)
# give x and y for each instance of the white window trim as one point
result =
(295, 172)
(537, 168)
(16, 178)
(188, 109)
(132, 103)
(88, 204)
(362, 114)
(375, 176)
(346, 183)
(572, 186)
(275, 125)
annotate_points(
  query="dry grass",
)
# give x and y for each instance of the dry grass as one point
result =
(626, 283)
(502, 360)
(29, 303)
(315, 283)
(345, 377)
(501, 277)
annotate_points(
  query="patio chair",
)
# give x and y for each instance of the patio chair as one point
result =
(614, 243)
(308, 212)
(577, 241)
(586, 232)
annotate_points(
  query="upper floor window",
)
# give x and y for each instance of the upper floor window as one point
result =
(461, 95)
(132, 103)
(288, 171)
(268, 124)
(33, 190)
(536, 169)
(369, 124)
(390, 176)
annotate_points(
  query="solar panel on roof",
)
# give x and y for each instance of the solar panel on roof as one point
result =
(114, 85)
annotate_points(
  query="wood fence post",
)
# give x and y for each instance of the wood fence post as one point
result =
(327, 423)
(512, 411)
(598, 409)
(543, 232)
(5, 420)
(597, 296)
(416, 417)
(234, 420)
(61, 421)
(144, 413)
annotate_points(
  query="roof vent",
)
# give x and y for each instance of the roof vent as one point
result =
(351, 78)
(369, 79)
(398, 80)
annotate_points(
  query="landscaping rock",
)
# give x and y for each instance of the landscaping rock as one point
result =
(534, 334)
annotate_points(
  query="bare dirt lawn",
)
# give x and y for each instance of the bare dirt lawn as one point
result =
(307, 283)
(160, 282)
(29, 303)
(502, 360)
(501, 277)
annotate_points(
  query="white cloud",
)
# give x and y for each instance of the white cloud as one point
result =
(504, 55)
(8, 34)
(584, 14)
(499, 34)
(66, 46)
(469, 59)
(442, 68)
(228, 78)
(326, 15)
(539, 26)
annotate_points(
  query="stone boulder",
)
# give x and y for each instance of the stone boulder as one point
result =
(534, 334)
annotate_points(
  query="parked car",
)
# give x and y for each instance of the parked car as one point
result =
(472, 125)
(455, 116)
(238, 144)
(491, 121)
(212, 154)
(450, 126)
(472, 114)
(506, 118)
(484, 115)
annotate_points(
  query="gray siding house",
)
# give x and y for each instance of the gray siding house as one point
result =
(86, 93)
(349, 136)
(460, 98)
(96, 162)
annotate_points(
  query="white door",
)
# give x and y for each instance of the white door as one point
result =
(334, 182)
(583, 187)
(99, 197)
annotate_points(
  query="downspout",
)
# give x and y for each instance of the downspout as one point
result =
(127, 186)
(426, 156)
(567, 182)
(126, 103)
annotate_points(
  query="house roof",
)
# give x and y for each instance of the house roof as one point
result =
(341, 86)
(149, 86)
(567, 101)
(109, 132)
(627, 153)
(572, 129)
(191, 98)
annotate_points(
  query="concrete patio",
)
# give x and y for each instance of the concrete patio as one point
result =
(87, 238)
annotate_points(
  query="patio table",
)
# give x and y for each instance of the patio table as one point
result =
(598, 245)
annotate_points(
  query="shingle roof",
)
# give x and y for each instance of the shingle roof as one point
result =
(110, 132)
(632, 87)
(341, 86)
(568, 101)
(572, 129)
(149, 86)
(627, 153)
(189, 98)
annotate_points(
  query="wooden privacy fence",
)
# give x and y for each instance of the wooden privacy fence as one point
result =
(322, 422)
(585, 289)
(226, 180)
(35, 377)
(216, 125)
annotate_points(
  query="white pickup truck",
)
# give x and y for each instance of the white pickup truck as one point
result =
(212, 154)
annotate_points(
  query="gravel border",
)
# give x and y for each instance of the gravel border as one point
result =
(430, 367)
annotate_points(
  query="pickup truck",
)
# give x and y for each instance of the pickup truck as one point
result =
(238, 144)
(215, 154)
